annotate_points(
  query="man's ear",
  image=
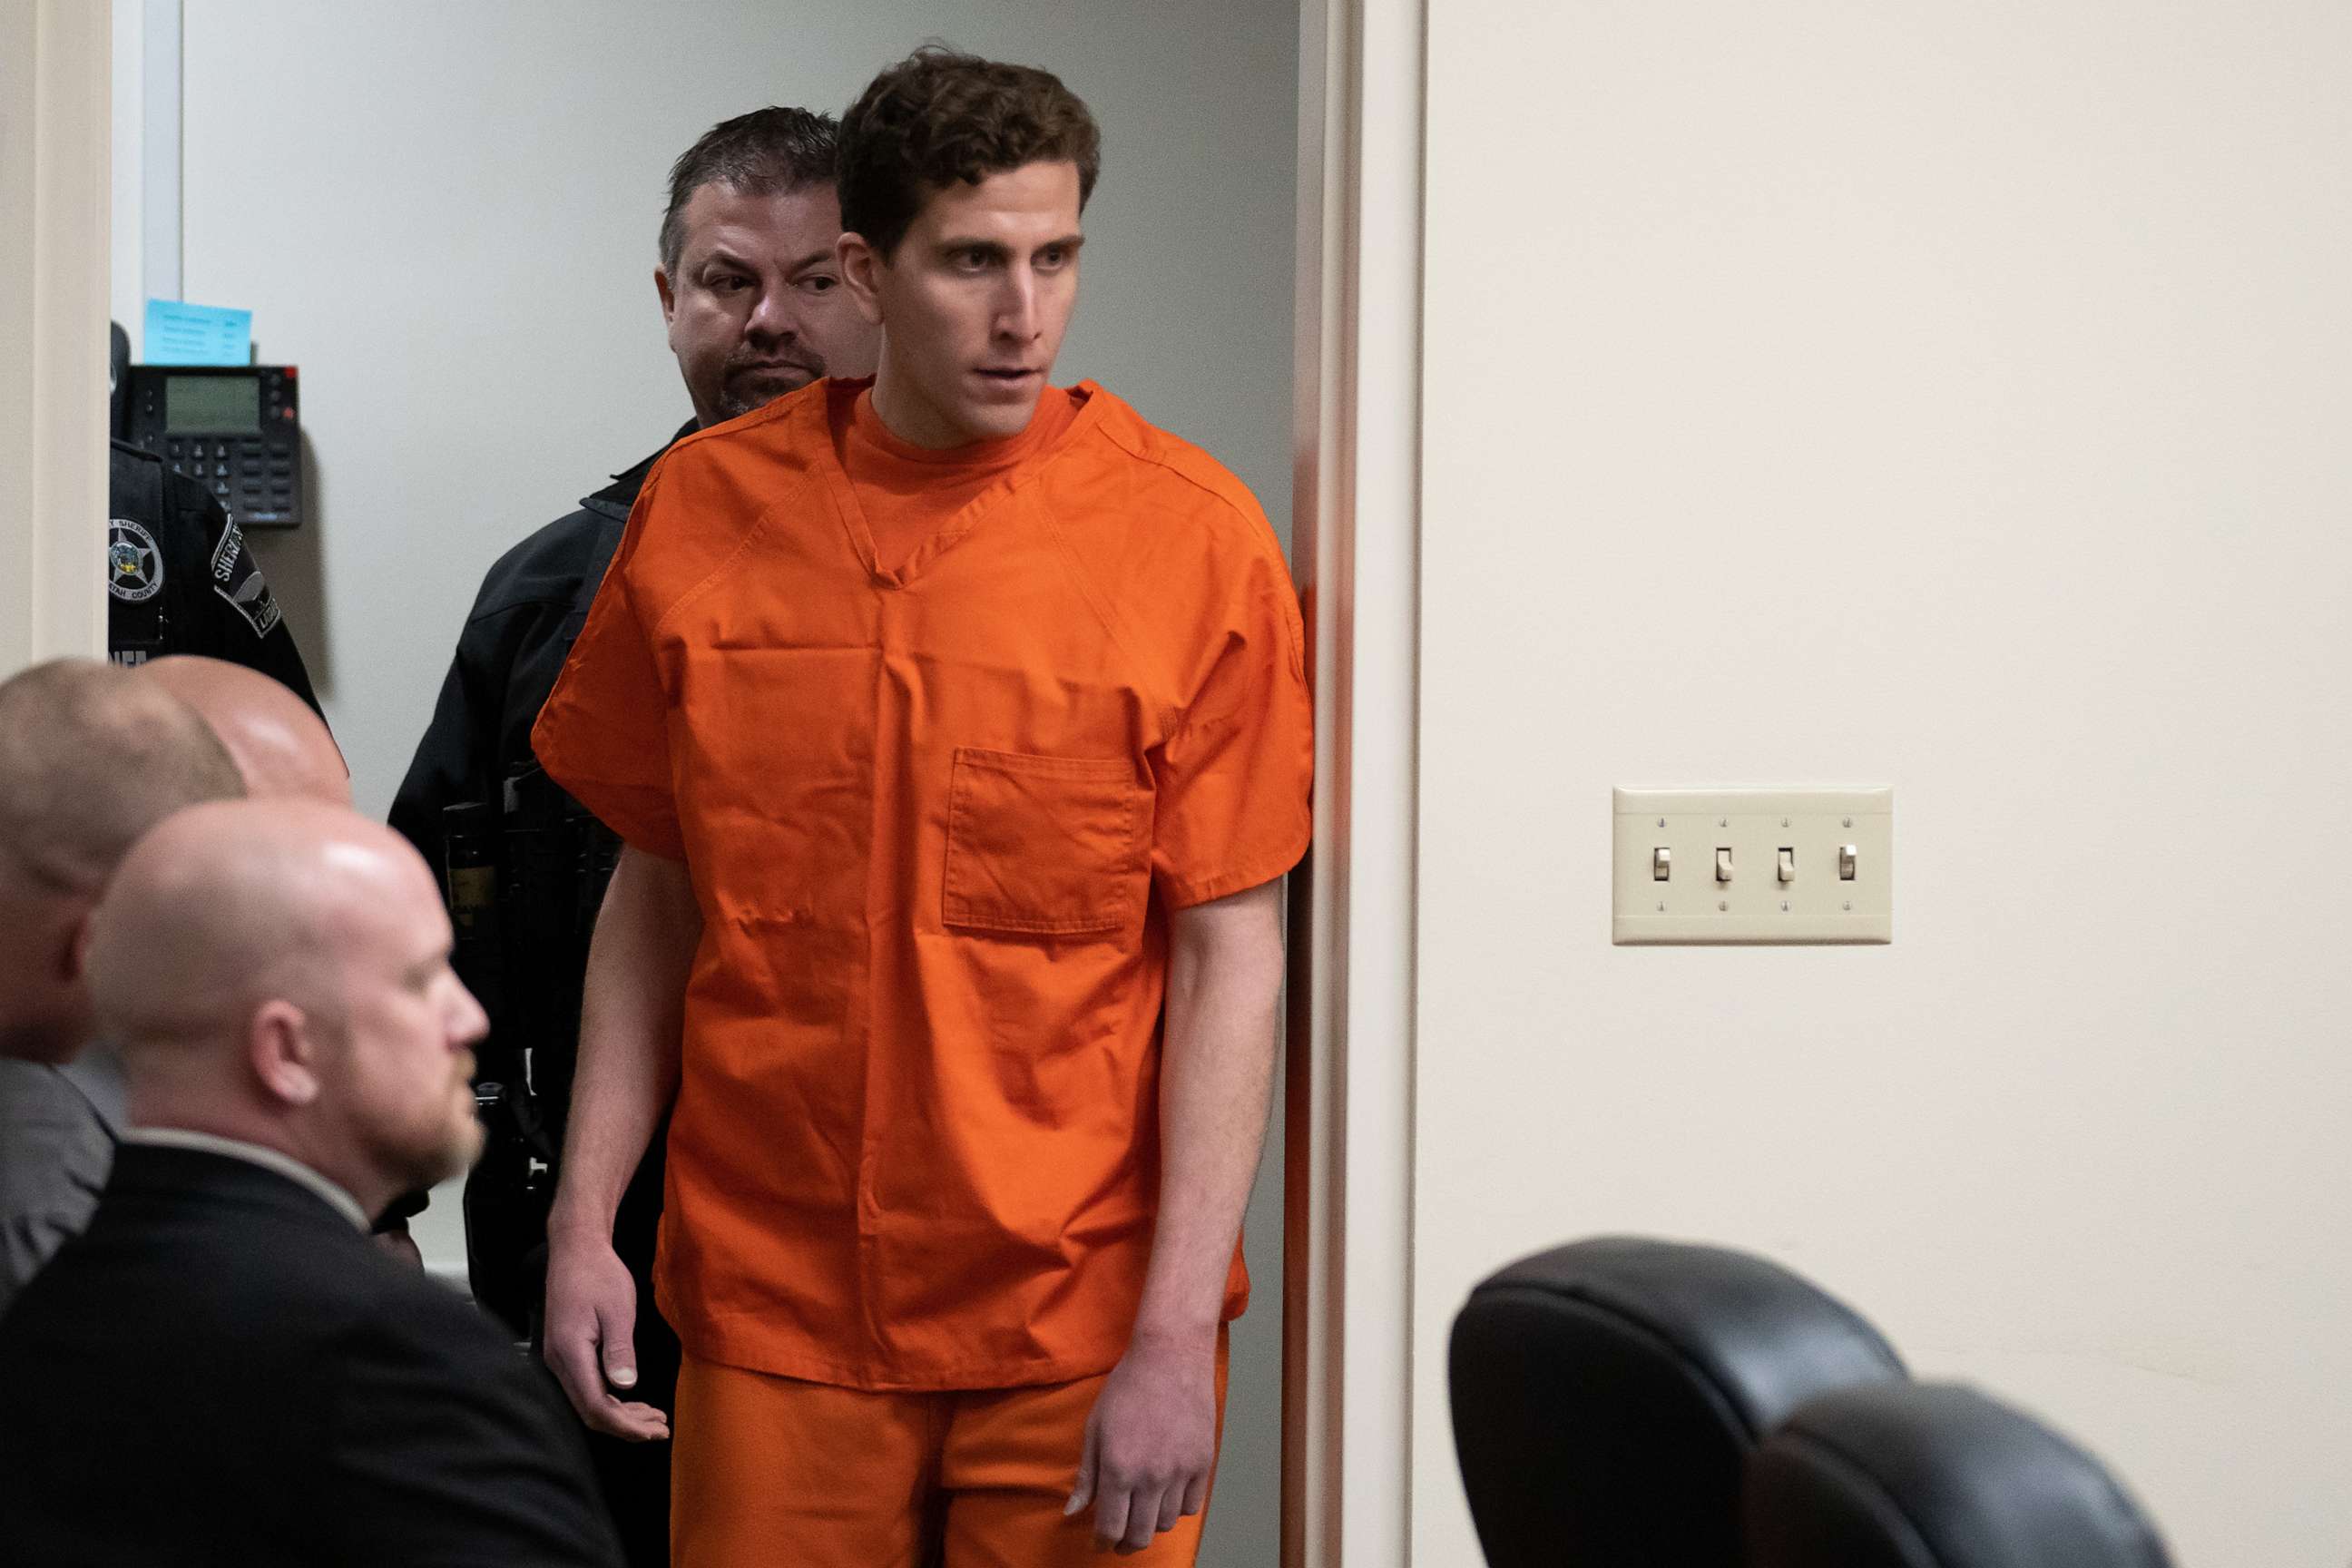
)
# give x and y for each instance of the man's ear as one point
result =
(284, 1053)
(861, 267)
(668, 295)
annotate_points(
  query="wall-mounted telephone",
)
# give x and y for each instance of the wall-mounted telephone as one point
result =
(234, 428)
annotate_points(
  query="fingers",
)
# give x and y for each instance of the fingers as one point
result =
(1083, 1492)
(571, 1356)
(1145, 1510)
(1108, 1486)
(1142, 1520)
(617, 1326)
(1130, 1514)
(635, 1423)
(638, 1423)
(1143, 1471)
(590, 1347)
(1111, 1515)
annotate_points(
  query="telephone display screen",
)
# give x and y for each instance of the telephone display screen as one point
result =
(211, 403)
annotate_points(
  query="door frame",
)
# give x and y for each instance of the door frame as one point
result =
(55, 141)
(1347, 1458)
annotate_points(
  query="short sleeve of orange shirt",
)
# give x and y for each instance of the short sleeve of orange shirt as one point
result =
(1212, 832)
(936, 813)
(622, 687)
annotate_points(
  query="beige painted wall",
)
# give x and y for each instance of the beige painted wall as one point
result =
(19, 42)
(1953, 397)
(53, 240)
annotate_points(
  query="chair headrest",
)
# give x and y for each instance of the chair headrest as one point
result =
(1606, 1395)
(1934, 1476)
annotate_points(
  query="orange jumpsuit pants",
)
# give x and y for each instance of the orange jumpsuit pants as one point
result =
(770, 1470)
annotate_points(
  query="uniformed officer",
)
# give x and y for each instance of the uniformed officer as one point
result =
(179, 578)
(752, 301)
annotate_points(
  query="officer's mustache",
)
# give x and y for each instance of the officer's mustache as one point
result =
(756, 362)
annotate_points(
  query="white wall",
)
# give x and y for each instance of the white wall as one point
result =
(1952, 397)
(144, 239)
(444, 213)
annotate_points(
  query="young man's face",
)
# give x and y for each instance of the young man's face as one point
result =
(756, 308)
(972, 304)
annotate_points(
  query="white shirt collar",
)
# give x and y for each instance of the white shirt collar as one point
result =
(286, 1165)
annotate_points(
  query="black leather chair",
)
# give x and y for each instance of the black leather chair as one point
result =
(1905, 1475)
(1607, 1394)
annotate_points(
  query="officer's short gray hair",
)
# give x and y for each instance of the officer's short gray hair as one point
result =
(91, 757)
(767, 152)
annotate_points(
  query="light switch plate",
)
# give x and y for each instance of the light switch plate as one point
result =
(1816, 905)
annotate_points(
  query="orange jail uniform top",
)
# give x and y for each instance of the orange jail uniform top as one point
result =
(936, 809)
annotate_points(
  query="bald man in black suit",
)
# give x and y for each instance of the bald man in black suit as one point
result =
(222, 1369)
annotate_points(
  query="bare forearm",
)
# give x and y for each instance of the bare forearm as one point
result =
(631, 1015)
(1225, 986)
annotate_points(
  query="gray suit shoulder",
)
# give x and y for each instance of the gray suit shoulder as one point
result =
(55, 1153)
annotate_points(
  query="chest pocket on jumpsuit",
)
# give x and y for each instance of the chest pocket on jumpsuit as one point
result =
(1046, 846)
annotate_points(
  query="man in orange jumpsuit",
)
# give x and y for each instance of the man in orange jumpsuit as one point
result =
(958, 726)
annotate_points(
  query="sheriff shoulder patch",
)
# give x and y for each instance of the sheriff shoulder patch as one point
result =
(236, 579)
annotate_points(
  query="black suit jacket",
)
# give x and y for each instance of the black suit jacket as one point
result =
(222, 1370)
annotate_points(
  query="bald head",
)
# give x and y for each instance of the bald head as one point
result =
(281, 747)
(278, 972)
(225, 906)
(90, 758)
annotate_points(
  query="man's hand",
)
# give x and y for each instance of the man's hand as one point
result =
(631, 1004)
(591, 1320)
(1152, 1441)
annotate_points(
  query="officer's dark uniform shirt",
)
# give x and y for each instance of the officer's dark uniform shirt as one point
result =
(532, 603)
(179, 578)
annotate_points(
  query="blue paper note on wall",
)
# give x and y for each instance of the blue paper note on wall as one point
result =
(180, 333)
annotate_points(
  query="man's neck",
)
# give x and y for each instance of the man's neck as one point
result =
(914, 420)
(334, 1194)
(151, 1114)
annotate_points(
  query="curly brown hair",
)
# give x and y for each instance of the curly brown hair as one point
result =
(936, 117)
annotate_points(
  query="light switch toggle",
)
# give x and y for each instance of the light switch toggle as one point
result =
(1750, 866)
